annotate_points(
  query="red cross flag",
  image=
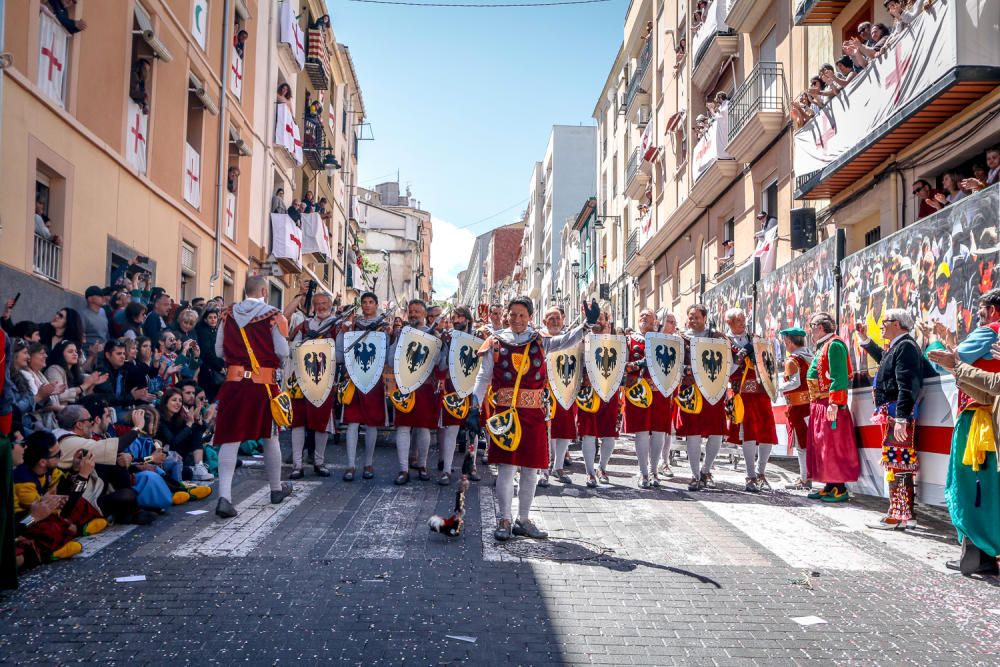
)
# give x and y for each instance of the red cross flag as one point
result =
(236, 74)
(52, 41)
(135, 137)
(291, 33)
(230, 215)
(192, 176)
(286, 238)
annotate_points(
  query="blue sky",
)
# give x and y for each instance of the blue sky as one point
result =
(461, 102)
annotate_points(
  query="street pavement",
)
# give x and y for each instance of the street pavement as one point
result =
(348, 573)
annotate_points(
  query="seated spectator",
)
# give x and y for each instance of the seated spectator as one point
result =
(33, 395)
(65, 369)
(114, 391)
(928, 197)
(987, 178)
(131, 352)
(278, 201)
(902, 16)
(179, 428)
(241, 41)
(212, 373)
(145, 372)
(61, 11)
(185, 324)
(138, 84)
(25, 330)
(67, 325)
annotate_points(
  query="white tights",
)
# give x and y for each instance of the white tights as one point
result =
(803, 469)
(299, 442)
(561, 446)
(371, 437)
(656, 450)
(754, 453)
(642, 441)
(525, 492)
(589, 445)
(403, 446)
(447, 446)
(227, 466)
(712, 446)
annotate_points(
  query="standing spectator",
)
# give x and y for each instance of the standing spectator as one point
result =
(295, 212)
(155, 323)
(212, 373)
(65, 369)
(43, 224)
(95, 322)
(67, 325)
(926, 195)
(61, 11)
(138, 81)
(186, 321)
(241, 40)
(991, 177)
(278, 201)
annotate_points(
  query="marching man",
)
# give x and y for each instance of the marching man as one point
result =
(597, 418)
(756, 432)
(305, 415)
(252, 342)
(461, 321)
(646, 409)
(796, 392)
(513, 362)
(562, 428)
(364, 408)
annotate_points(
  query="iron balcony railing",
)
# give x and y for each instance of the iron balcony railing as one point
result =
(763, 90)
(633, 165)
(632, 245)
(47, 259)
(645, 56)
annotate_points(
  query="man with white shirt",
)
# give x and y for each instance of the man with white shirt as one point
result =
(897, 385)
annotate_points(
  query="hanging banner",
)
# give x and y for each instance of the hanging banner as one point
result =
(315, 237)
(712, 145)
(52, 42)
(199, 22)
(286, 238)
(291, 33)
(192, 176)
(236, 74)
(230, 215)
(135, 137)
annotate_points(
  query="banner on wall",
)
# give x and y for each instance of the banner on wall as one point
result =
(736, 291)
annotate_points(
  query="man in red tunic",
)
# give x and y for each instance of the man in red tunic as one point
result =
(664, 409)
(708, 424)
(366, 410)
(503, 359)
(244, 403)
(305, 415)
(601, 424)
(461, 320)
(562, 428)
(642, 420)
(756, 433)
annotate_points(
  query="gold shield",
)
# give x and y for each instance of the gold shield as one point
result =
(415, 357)
(711, 365)
(640, 395)
(766, 366)
(665, 360)
(605, 356)
(565, 372)
(315, 369)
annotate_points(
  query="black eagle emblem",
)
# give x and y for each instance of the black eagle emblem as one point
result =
(768, 358)
(467, 360)
(315, 365)
(711, 361)
(364, 355)
(607, 360)
(566, 368)
(666, 357)
(416, 355)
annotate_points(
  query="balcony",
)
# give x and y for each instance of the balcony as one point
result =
(640, 84)
(819, 12)
(637, 175)
(946, 61)
(757, 111)
(313, 141)
(47, 259)
(632, 245)
(713, 43)
(317, 59)
(712, 167)
(743, 15)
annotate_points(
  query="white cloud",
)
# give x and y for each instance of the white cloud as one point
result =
(450, 250)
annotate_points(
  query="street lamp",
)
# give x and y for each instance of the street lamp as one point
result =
(330, 163)
(575, 267)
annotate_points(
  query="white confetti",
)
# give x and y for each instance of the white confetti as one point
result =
(131, 578)
(197, 512)
(808, 620)
(462, 638)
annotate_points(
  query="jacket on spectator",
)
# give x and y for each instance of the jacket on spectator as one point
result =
(113, 391)
(152, 327)
(899, 376)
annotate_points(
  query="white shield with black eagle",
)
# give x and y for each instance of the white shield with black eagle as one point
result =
(711, 365)
(415, 358)
(315, 369)
(766, 366)
(463, 362)
(665, 360)
(364, 358)
(565, 371)
(605, 357)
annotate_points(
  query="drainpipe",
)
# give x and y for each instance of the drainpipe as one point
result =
(220, 208)
(5, 62)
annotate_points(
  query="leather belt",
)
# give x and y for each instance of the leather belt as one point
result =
(800, 397)
(526, 398)
(239, 373)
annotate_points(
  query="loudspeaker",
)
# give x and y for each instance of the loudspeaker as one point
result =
(803, 228)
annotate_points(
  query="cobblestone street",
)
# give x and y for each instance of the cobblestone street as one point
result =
(347, 573)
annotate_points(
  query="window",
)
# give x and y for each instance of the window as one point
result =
(193, 138)
(188, 271)
(873, 235)
(769, 199)
(228, 285)
(274, 295)
(140, 85)
(46, 219)
(729, 230)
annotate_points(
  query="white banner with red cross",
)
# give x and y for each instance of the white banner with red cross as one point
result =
(236, 74)
(286, 238)
(230, 215)
(315, 237)
(52, 50)
(192, 176)
(135, 137)
(291, 33)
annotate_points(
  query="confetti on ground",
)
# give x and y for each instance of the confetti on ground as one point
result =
(197, 512)
(130, 579)
(462, 638)
(808, 620)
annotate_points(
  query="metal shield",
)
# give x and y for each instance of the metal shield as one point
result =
(605, 357)
(664, 360)
(711, 364)
(463, 362)
(415, 358)
(565, 371)
(364, 357)
(315, 369)
(767, 366)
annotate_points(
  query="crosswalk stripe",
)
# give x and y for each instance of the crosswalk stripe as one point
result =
(256, 520)
(794, 539)
(95, 543)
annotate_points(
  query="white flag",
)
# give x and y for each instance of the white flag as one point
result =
(52, 41)
(135, 137)
(192, 176)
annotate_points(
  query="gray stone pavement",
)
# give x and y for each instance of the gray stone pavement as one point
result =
(348, 573)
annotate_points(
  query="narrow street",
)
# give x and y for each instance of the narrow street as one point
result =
(347, 573)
